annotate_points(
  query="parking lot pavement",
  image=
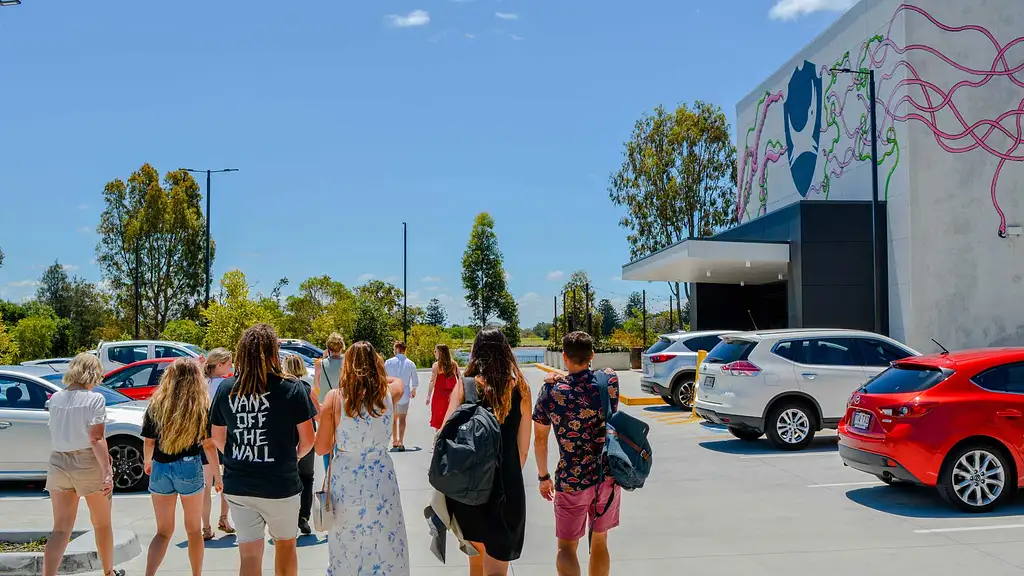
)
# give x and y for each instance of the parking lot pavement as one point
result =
(713, 505)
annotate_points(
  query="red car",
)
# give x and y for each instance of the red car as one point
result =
(954, 421)
(138, 380)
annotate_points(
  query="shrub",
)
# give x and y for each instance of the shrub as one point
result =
(184, 331)
(422, 339)
(34, 336)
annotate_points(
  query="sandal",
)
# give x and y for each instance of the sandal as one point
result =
(224, 526)
(207, 534)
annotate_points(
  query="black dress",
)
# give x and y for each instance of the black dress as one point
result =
(500, 524)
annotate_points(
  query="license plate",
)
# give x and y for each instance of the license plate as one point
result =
(709, 382)
(861, 420)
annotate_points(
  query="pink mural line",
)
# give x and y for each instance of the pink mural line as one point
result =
(999, 68)
(750, 156)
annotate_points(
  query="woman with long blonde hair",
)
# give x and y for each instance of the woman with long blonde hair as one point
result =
(176, 429)
(369, 534)
(217, 367)
(444, 376)
(497, 528)
(79, 463)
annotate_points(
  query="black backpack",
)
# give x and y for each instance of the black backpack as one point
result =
(467, 452)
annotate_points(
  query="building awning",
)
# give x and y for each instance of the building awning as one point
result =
(713, 261)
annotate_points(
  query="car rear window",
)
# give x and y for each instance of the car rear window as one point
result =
(730, 351)
(660, 345)
(901, 379)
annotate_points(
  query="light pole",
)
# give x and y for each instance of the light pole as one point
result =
(206, 300)
(876, 289)
(405, 283)
(9, 3)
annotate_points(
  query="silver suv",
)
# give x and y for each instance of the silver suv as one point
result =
(670, 365)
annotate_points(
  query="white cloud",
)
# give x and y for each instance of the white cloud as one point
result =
(412, 19)
(23, 284)
(507, 276)
(86, 229)
(443, 298)
(70, 267)
(470, 36)
(506, 16)
(529, 296)
(616, 278)
(83, 206)
(391, 279)
(555, 275)
(364, 278)
(433, 288)
(516, 37)
(792, 9)
(430, 279)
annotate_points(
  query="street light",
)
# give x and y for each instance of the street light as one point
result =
(206, 301)
(876, 266)
(405, 283)
(9, 3)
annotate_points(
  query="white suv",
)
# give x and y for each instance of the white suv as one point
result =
(789, 383)
(117, 354)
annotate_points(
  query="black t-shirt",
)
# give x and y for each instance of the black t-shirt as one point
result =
(259, 455)
(150, 430)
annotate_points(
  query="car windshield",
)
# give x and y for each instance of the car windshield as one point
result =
(660, 345)
(111, 396)
(196, 349)
(730, 351)
(901, 379)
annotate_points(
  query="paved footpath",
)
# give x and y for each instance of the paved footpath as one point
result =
(715, 505)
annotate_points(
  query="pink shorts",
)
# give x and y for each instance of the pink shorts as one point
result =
(573, 510)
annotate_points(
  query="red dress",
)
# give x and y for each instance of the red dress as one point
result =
(439, 402)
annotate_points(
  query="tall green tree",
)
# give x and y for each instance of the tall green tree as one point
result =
(80, 308)
(373, 325)
(634, 306)
(435, 314)
(677, 179)
(321, 306)
(8, 346)
(609, 317)
(483, 278)
(159, 225)
(228, 317)
(579, 301)
(35, 336)
(542, 330)
(1, 257)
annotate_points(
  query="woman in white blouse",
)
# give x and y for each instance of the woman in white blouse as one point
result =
(80, 464)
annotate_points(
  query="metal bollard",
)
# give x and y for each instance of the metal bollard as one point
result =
(701, 355)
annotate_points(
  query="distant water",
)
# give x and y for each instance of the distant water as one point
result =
(523, 355)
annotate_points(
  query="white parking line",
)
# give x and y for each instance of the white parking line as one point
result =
(970, 529)
(875, 483)
(789, 455)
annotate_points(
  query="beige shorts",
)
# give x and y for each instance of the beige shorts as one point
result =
(402, 409)
(254, 517)
(78, 471)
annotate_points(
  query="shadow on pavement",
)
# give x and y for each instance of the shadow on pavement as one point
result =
(666, 409)
(225, 541)
(920, 502)
(764, 447)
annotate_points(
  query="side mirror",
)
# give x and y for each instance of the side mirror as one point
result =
(46, 406)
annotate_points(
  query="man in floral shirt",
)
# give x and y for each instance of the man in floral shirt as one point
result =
(572, 406)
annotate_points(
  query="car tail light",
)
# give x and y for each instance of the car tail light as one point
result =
(741, 368)
(659, 358)
(909, 410)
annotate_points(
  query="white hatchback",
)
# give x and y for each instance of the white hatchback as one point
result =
(789, 384)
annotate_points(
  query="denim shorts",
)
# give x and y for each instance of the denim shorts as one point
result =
(183, 477)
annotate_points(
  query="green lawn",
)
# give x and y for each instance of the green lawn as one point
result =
(533, 342)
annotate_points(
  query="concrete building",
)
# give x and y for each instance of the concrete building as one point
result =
(949, 80)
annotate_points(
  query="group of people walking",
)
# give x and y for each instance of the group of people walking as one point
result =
(255, 419)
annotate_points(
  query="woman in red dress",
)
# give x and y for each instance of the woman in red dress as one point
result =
(444, 375)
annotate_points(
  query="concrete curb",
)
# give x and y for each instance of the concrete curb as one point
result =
(627, 400)
(80, 556)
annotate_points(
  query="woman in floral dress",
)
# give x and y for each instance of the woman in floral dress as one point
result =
(368, 536)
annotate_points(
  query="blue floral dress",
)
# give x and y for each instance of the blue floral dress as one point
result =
(368, 536)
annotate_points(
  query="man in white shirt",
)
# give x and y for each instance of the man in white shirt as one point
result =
(405, 370)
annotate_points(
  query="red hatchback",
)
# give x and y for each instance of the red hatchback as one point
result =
(138, 380)
(953, 421)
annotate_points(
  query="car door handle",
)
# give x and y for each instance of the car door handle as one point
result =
(810, 375)
(1009, 414)
(5, 425)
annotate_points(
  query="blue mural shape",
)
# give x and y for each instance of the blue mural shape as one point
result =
(802, 110)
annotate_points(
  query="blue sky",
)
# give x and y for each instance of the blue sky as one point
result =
(346, 118)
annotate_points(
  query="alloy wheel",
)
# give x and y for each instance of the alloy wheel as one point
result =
(127, 466)
(793, 425)
(978, 478)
